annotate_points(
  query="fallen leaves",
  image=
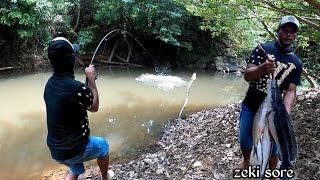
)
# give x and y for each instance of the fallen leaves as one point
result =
(214, 133)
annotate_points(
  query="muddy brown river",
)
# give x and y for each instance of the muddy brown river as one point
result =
(131, 115)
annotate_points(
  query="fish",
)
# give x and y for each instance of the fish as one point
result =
(284, 129)
(272, 126)
(264, 112)
(263, 132)
(279, 123)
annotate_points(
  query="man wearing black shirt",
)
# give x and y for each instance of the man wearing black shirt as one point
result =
(282, 60)
(67, 102)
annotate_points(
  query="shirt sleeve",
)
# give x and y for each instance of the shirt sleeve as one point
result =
(256, 57)
(84, 96)
(296, 76)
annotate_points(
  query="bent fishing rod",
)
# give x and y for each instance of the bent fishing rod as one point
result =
(115, 32)
(304, 70)
(95, 52)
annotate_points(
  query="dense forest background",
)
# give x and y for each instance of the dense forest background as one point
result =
(178, 32)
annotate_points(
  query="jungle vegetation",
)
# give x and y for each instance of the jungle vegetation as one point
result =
(177, 27)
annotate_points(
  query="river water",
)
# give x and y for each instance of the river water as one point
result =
(131, 115)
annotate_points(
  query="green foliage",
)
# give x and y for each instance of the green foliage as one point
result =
(165, 19)
(242, 21)
(23, 17)
(85, 40)
(31, 21)
(311, 59)
(180, 23)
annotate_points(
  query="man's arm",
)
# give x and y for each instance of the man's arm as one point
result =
(90, 73)
(254, 72)
(290, 97)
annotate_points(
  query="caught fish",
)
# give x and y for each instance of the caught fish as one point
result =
(264, 112)
(272, 125)
(284, 129)
(261, 130)
(262, 151)
(273, 119)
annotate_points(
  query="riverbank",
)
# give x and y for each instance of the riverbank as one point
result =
(205, 145)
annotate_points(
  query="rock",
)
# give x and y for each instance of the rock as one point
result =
(131, 174)
(197, 164)
(160, 171)
(110, 174)
(226, 64)
(148, 161)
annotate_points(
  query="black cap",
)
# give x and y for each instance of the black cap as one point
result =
(63, 43)
(60, 55)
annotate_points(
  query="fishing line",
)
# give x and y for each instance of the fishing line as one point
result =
(117, 31)
(103, 39)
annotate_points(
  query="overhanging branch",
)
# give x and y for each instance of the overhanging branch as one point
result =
(313, 3)
(268, 30)
(285, 11)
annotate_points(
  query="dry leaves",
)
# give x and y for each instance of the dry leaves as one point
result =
(214, 133)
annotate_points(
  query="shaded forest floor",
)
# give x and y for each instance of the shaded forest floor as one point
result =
(205, 145)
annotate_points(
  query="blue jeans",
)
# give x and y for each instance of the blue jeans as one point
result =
(97, 147)
(246, 123)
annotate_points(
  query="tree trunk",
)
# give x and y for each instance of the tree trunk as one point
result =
(120, 64)
(78, 16)
(113, 50)
(314, 3)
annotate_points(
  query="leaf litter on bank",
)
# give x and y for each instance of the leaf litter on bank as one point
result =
(205, 145)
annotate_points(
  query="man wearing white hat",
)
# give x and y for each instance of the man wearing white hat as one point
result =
(258, 70)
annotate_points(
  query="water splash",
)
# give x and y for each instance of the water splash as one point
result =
(148, 125)
(162, 82)
(163, 69)
(112, 121)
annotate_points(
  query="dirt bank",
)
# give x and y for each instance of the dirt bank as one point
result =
(205, 145)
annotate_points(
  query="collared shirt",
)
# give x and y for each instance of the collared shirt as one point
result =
(289, 69)
(67, 121)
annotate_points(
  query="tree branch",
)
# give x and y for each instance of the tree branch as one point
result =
(313, 3)
(285, 11)
(113, 50)
(78, 16)
(268, 30)
(6, 68)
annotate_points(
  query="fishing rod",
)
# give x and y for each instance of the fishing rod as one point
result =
(115, 32)
(304, 70)
(96, 50)
(265, 56)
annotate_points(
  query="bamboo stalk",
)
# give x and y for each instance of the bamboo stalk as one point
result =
(120, 64)
(113, 50)
(6, 68)
(285, 11)
(129, 53)
(194, 76)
